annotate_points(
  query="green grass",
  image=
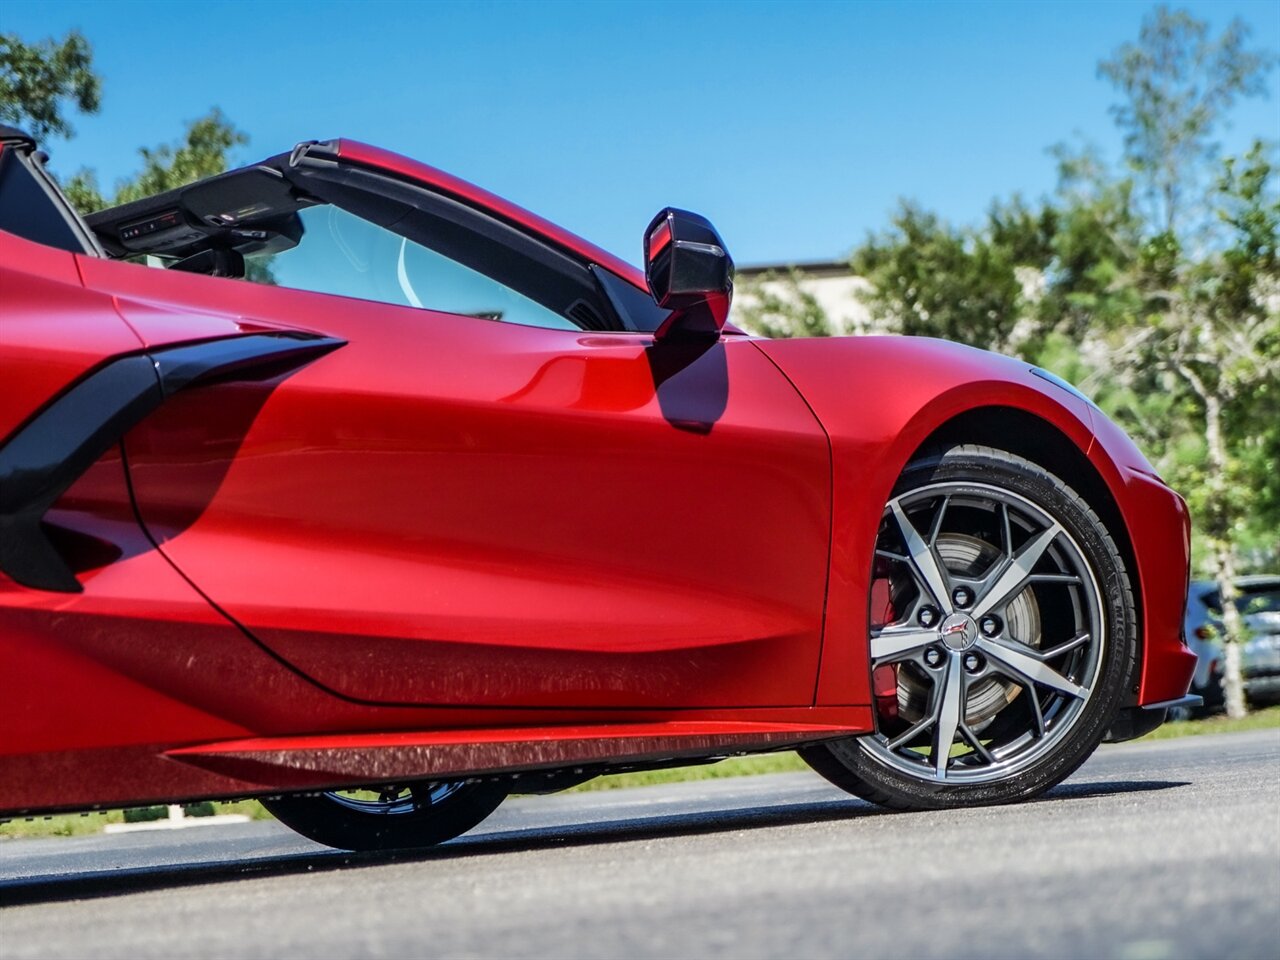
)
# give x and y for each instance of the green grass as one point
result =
(733, 767)
(84, 824)
(79, 825)
(1264, 719)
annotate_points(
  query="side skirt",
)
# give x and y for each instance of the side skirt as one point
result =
(316, 763)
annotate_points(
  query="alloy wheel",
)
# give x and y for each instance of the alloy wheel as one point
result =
(987, 635)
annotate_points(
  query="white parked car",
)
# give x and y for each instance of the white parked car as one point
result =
(1259, 605)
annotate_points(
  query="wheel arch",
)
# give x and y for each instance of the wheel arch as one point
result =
(1042, 442)
(883, 399)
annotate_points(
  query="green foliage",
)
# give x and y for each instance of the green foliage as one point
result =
(1177, 83)
(82, 190)
(201, 152)
(778, 305)
(979, 287)
(1155, 287)
(39, 81)
(1098, 237)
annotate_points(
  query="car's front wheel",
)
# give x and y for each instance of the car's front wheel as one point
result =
(1002, 637)
(388, 817)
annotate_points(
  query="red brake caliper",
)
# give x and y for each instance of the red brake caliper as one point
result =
(884, 678)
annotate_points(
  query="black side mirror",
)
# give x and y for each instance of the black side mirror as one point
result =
(689, 272)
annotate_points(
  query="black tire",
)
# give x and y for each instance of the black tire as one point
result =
(414, 821)
(869, 767)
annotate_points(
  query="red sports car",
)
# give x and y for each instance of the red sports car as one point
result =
(337, 481)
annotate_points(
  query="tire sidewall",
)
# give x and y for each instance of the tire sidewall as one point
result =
(870, 777)
(321, 818)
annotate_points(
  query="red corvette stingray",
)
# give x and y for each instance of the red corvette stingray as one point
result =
(337, 481)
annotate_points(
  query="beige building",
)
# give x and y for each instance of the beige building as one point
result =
(831, 283)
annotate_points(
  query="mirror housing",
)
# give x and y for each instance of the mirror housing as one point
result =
(689, 272)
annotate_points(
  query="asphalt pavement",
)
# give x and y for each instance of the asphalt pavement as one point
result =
(1168, 849)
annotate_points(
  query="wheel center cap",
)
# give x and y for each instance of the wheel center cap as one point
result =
(958, 631)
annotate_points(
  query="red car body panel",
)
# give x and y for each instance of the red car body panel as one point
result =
(550, 500)
(459, 546)
(54, 330)
(907, 389)
(1160, 531)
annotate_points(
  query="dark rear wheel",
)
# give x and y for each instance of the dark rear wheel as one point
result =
(1002, 637)
(388, 817)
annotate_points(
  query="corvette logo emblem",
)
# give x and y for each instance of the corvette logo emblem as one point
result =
(958, 631)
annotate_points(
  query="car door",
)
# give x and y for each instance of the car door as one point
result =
(458, 509)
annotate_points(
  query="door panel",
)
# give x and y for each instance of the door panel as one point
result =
(451, 510)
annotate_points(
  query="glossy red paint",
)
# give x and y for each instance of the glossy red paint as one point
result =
(1160, 531)
(52, 329)
(548, 484)
(76, 697)
(77, 779)
(905, 389)
(660, 239)
(459, 546)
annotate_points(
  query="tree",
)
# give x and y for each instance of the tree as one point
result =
(1157, 287)
(1097, 237)
(39, 81)
(980, 287)
(1217, 329)
(202, 152)
(778, 305)
(1154, 286)
(1177, 83)
(1208, 269)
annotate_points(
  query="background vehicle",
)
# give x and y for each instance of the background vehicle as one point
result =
(1259, 605)
(450, 502)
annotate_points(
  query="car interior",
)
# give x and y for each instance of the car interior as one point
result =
(367, 235)
(244, 223)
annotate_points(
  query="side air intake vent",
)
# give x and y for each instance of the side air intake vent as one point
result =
(46, 455)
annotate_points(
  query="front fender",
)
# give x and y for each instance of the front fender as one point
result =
(880, 398)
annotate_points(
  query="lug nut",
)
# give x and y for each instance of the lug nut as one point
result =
(928, 616)
(989, 626)
(933, 656)
(972, 662)
(962, 596)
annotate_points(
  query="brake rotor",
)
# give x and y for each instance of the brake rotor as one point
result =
(967, 556)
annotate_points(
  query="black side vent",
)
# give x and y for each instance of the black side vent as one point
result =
(585, 315)
(40, 461)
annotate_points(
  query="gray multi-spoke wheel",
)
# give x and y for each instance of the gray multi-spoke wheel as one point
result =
(390, 816)
(1001, 636)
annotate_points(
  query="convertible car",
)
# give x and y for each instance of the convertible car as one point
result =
(336, 481)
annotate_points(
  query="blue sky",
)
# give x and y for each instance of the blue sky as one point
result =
(794, 126)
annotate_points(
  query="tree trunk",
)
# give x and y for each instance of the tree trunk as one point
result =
(1224, 571)
(1224, 561)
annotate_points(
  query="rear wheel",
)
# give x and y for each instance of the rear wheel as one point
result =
(388, 817)
(1002, 637)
